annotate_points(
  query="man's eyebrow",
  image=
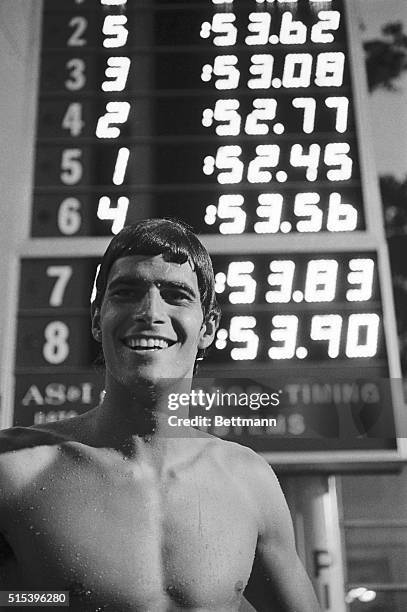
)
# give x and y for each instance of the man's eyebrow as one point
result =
(135, 280)
(123, 280)
(179, 285)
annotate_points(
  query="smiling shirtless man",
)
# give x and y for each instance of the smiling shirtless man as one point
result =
(112, 508)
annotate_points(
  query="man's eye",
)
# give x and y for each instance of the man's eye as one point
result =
(175, 295)
(124, 293)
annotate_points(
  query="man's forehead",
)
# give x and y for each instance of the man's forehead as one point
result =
(149, 266)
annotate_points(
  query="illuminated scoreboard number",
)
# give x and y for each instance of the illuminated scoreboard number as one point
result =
(311, 207)
(255, 114)
(299, 71)
(329, 161)
(55, 285)
(55, 351)
(73, 35)
(260, 137)
(54, 319)
(311, 309)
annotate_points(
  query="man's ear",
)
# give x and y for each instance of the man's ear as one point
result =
(208, 331)
(96, 330)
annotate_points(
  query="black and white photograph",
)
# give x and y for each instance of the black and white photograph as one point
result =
(203, 257)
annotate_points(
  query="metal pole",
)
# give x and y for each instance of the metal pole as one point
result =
(314, 506)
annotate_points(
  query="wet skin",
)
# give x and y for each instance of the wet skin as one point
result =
(125, 517)
(120, 533)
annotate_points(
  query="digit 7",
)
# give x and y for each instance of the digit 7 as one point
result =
(62, 275)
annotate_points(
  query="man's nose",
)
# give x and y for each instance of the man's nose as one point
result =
(150, 307)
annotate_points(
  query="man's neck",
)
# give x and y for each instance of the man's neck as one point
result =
(137, 420)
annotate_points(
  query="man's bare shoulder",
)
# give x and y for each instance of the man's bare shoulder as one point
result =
(21, 448)
(244, 465)
(20, 438)
(260, 486)
(241, 458)
(26, 451)
(48, 434)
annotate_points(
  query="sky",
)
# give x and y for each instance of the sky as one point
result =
(388, 110)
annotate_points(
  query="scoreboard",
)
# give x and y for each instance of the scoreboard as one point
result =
(236, 117)
(243, 118)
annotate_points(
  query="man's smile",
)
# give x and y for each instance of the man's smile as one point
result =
(147, 342)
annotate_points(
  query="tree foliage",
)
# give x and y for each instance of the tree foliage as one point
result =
(386, 60)
(394, 199)
(386, 57)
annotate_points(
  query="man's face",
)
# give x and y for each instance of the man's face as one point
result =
(151, 320)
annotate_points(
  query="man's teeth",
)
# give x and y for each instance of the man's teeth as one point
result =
(149, 343)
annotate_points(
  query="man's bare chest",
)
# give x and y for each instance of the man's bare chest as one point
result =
(189, 535)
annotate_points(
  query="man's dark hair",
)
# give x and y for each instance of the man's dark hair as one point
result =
(172, 239)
